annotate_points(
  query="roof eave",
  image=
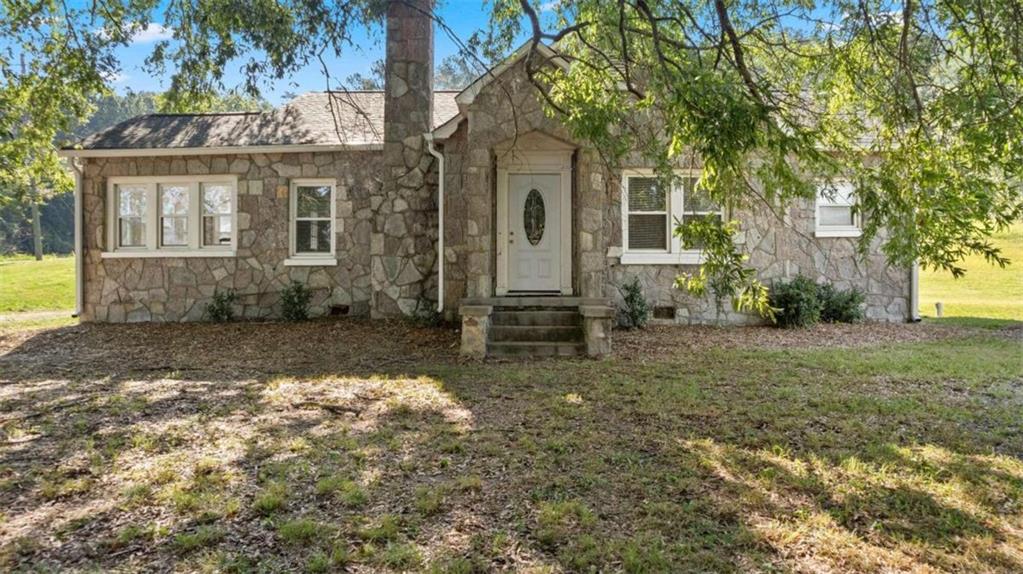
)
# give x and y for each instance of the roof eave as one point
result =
(468, 95)
(217, 150)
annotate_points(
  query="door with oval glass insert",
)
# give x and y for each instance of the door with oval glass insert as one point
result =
(534, 232)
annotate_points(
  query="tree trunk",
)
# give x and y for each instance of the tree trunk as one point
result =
(37, 231)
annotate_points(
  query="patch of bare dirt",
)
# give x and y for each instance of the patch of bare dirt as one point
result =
(327, 345)
(664, 341)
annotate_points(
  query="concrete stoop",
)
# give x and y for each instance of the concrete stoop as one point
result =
(536, 327)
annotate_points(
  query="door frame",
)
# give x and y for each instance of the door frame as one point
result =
(556, 159)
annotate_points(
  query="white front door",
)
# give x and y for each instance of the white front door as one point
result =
(534, 232)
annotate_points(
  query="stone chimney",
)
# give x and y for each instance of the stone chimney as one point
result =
(404, 240)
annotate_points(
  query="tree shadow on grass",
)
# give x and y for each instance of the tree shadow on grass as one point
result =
(250, 457)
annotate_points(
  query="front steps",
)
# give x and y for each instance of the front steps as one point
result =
(535, 327)
(535, 332)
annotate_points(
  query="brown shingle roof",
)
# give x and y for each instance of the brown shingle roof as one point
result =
(315, 118)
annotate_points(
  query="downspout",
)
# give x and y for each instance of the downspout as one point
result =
(440, 219)
(914, 293)
(76, 165)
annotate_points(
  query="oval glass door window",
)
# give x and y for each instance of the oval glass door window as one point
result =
(535, 217)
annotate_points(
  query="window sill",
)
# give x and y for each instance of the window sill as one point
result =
(682, 258)
(167, 254)
(310, 262)
(838, 232)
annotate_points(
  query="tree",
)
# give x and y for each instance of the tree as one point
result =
(374, 81)
(918, 102)
(456, 72)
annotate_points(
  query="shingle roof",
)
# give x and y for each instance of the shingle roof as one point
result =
(315, 118)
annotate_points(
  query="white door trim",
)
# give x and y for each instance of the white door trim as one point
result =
(529, 163)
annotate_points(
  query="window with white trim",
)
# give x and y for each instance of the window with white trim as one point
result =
(835, 213)
(651, 208)
(312, 218)
(131, 210)
(162, 216)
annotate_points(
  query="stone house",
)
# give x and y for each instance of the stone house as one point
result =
(410, 200)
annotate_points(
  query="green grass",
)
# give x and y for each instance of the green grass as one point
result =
(986, 292)
(902, 456)
(30, 285)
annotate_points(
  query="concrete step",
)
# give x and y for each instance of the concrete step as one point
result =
(549, 317)
(501, 333)
(535, 349)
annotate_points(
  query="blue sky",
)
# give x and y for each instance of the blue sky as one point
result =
(463, 16)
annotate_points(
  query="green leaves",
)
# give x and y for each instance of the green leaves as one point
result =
(723, 274)
(919, 104)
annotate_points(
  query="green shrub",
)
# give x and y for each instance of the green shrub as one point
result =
(295, 302)
(796, 302)
(840, 306)
(220, 309)
(635, 311)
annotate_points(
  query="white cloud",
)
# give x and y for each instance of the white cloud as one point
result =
(116, 77)
(153, 32)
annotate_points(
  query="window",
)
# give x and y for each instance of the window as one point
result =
(172, 216)
(649, 221)
(312, 222)
(836, 213)
(131, 215)
(217, 214)
(651, 209)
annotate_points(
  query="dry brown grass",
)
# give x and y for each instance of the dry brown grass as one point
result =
(372, 447)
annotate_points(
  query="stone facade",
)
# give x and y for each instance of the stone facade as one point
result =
(778, 250)
(509, 108)
(178, 289)
(405, 236)
(387, 228)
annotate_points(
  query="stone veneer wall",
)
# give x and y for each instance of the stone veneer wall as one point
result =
(503, 110)
(509, 107)
(779, 250)
(176, 289)
(404, 240)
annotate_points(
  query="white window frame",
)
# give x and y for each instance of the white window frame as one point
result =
(675, 254)
(311, 259)
(154, 214)
(854, 230)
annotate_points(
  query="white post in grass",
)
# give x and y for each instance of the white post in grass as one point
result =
(939, 309)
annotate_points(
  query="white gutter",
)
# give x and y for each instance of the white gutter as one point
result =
(440, 219)
(76, 165)
(218, 150)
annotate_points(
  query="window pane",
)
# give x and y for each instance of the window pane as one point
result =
(646, 194)
(313, 201)
(174, 231)
(831, 215)
(312, 236)
(696, 200)
(840, 193)
(216, 198)
(131, 200)
(690, 218)
(174, 199)
(216, 230)
(648, 232)
(131, 232)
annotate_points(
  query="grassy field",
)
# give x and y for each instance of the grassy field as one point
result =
(371, 447)
(986, 292)
(30, 285)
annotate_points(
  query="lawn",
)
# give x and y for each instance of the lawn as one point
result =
(30, 285)
(370, 446)
(986, 291)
